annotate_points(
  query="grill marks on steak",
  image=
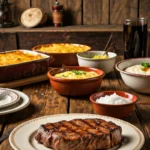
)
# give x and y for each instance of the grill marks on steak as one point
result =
(79, 134)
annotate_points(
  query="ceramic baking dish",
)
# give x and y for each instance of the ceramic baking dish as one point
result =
(36, 64)
(62, 53)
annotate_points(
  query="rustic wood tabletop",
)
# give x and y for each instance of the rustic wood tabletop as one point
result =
(46, 101)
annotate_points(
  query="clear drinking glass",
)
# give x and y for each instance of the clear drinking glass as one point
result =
(135, 34)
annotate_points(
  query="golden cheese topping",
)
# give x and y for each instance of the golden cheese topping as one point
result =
(76, 74)
(62, 48)
(16, 57)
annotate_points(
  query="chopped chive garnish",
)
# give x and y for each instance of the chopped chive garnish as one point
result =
(78, 72)
(146, 65)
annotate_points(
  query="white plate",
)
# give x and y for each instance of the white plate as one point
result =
(21, 104)
(22, 137)
(9, 99)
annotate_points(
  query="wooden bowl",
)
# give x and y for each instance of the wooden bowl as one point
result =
(117, 111)
(75, 87)
(60, 56)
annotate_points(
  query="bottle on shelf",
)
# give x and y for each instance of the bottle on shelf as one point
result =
(57, 14)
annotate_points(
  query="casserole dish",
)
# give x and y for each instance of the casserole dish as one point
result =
(19, 64)
(62, 53)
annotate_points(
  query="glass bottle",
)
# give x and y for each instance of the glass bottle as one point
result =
(1, 14)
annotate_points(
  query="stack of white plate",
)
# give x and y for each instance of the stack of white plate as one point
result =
(13, 101)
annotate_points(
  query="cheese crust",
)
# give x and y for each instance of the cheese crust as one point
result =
(17, 57)
(62, 48)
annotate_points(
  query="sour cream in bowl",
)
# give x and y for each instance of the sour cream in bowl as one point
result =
(113, 99)
(134, 74)
(118, 104)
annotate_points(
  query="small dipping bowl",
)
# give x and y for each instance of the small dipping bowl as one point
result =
(113, 110)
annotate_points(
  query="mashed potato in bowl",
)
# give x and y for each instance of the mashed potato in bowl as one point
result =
(143, 69)
(76, 74)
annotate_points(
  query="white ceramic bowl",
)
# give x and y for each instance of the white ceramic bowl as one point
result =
(139, 83)
(107, 64)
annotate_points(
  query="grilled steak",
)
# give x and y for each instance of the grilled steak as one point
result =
(80, 134)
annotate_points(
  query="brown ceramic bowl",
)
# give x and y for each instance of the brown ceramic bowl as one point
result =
(75, 87)
(61, 57)
(117, 111)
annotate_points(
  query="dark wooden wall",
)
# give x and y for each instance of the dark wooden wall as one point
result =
(76, 12)
(89, 12)
(27, 40)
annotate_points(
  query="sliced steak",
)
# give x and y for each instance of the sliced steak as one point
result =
(80, 134)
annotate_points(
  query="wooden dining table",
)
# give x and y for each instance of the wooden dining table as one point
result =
(44, 100)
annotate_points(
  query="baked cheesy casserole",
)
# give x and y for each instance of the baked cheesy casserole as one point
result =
(62, 48)
(16, 57)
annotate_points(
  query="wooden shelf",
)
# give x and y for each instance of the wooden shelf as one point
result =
(73, 28)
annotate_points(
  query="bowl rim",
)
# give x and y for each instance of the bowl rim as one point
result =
(129, 73)
(97, 59)
(51, 77)
(114, 91)
(34, 48)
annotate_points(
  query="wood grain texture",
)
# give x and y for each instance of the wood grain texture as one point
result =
(72, 10)
(46, 101)
(8, 41)
(82, 105)
(26, 81)
(97, 40)
(17, 7)
(45, 5)
(94, 39)
(72, 28)
(55, 103)
(95, 12)
(122, 9)
(144, 10)
(27, 40)
(88, 12)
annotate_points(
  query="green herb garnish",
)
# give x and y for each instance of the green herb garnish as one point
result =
(146, 65)
(64, 75)
(78, 72)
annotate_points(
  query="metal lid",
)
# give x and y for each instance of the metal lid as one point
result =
(56, 2)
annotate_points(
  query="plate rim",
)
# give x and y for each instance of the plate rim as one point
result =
(26, 102)
(138, 146)
(14, 101)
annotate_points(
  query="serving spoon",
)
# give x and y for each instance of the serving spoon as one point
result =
(106, 47)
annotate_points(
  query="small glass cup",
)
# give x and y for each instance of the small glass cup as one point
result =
(135, 35)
